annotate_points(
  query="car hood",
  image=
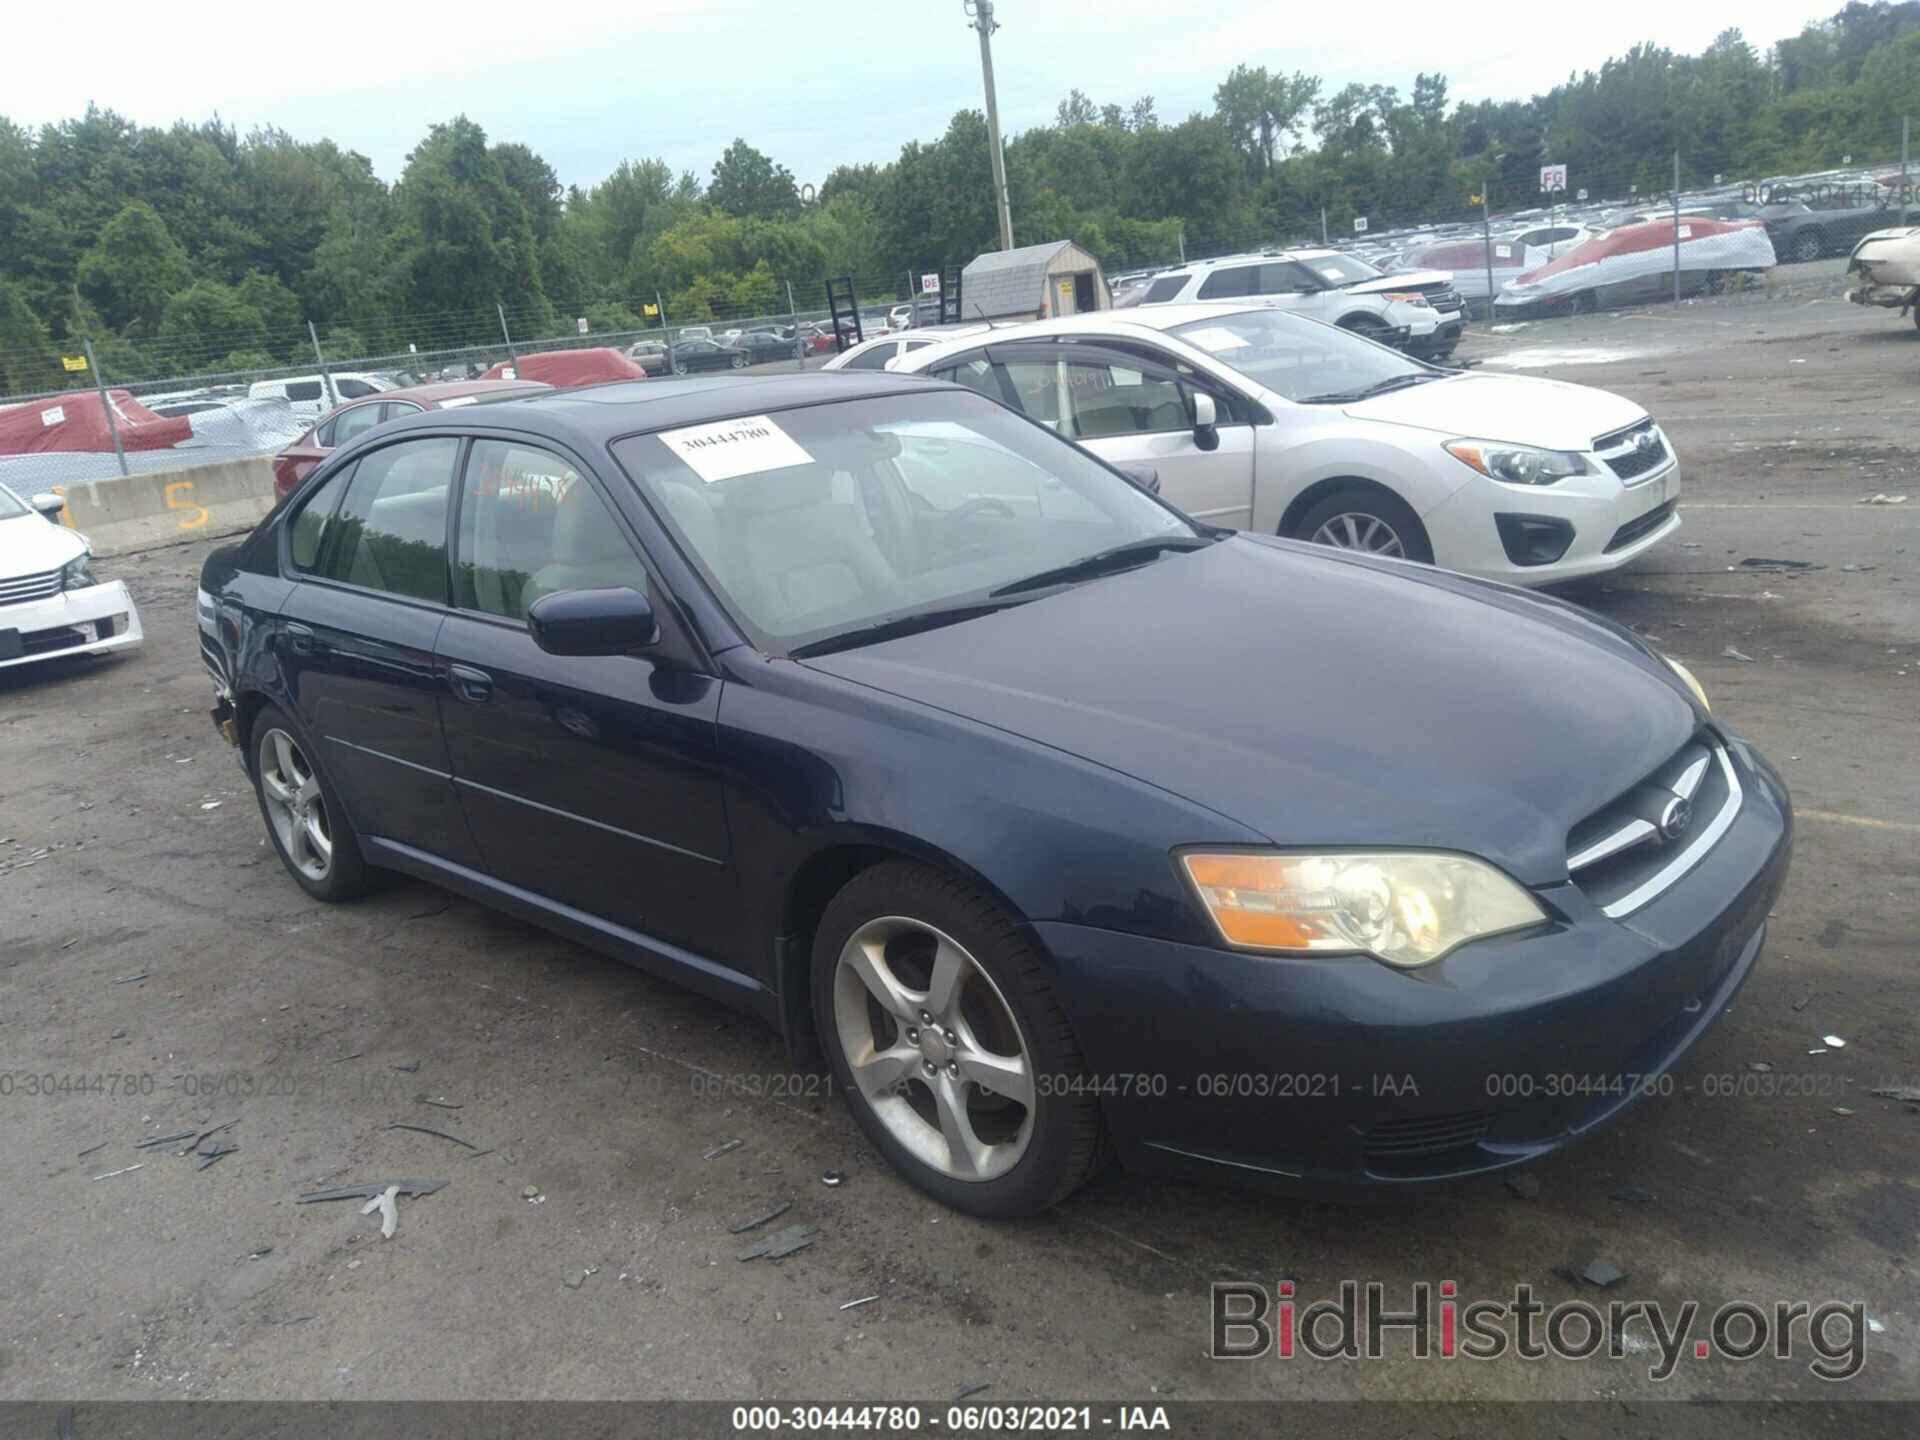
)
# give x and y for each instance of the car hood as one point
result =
(1400, 280)
(1316, 699)
(1522, 409)
(30, 546)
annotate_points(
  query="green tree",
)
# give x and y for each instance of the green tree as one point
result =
(27, 358)
(133, 268)
(745, 182)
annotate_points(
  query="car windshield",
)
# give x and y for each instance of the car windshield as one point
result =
(1300, 359)
(12, 507)
(828, 521)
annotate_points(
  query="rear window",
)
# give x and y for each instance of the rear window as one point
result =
(303, 389)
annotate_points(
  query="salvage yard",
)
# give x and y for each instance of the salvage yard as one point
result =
(611, 1131)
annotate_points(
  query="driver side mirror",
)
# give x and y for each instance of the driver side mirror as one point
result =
(1205, 418)
(615, 621)
(49, 505)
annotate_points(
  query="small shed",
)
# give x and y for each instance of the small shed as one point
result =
(1033, 282)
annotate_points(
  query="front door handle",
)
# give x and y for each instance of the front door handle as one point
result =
(300, 638)
(474, 686)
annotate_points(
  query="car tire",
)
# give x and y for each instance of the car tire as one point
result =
(1807, 245)
(738, 362)
(680, 367)
(305, 821)
(967, 995)
(1368, 518)
(1366, 327)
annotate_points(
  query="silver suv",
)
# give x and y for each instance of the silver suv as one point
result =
(1419, 312)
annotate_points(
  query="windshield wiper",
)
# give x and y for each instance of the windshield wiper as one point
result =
(1379, 387)
(912, 623)
(1105, 562)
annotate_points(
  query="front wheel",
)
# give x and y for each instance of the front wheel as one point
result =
(941, 1026)
(680, 367)
(1367, 518)
(1807, 245)
(738, 362)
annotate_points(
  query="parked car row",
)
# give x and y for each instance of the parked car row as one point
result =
(896, 710)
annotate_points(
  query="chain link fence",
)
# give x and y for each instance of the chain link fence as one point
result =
(1650, 231)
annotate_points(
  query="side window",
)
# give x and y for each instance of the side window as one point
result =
(1115, 395)
(1229, 283)
(1167, 287)
(1284, 277)
(353, 389)
(874, 359)
(975, 373)
(391, 532)
(310, 526)
(529, 526)
(1039, 384)
(357, 421)
(303, 389)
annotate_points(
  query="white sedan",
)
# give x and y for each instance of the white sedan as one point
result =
(1257, 419)
(50, 602)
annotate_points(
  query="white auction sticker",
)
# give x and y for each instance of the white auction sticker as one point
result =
(746, 446)
(1214, 338)
(53, 415)
(1504, 252)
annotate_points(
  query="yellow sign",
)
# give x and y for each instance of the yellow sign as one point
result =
(73, 362)
(649, 309)
(1476, 199)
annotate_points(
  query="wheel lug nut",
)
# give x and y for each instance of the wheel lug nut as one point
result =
(952, 1039)
(953, 1067)
(913, 1036)
(926, 1017)
(929, 1066)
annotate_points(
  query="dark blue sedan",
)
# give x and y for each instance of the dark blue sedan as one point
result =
(1056, 824)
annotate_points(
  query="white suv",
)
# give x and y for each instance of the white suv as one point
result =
(1419, 312)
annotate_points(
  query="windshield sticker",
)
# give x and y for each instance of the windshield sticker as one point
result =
(1686, 232)
(1332, 272)
(746, 446)
(53, 415)
(1503, 252)
(1214, 339)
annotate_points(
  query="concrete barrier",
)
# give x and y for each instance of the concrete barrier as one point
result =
(137, 512)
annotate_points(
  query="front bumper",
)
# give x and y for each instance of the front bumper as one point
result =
(1891, 297)
(95, 621)
(1612, 524)
(1443, 339)
(1330, 1076)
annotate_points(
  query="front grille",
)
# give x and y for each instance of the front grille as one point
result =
(42, 642)
(1425, 1135)
(1640, 525)
(29, 587)
(1442, 296)
(1626, 854)
(1626, 456)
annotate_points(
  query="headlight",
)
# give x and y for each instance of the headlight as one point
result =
(77, 574)
(1518, 464)
(1406, 908)
(1410, 297)
(1699, 691)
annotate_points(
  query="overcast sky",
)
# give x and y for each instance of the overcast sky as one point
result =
(587, 83)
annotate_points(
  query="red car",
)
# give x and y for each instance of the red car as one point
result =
(819, 340)
(356, 417)
(591, 366)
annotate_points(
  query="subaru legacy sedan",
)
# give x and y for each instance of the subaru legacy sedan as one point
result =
(1055, 824)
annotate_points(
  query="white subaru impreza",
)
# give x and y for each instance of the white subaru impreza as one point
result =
(1257, 419)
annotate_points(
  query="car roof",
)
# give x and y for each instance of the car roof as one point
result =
(589, 416)
(1141, 320)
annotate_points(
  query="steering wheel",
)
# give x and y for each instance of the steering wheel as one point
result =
(982, 505)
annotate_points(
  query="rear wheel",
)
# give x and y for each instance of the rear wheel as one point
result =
(941, 1025)
(1367, 518)
(309, 829)
(738, 362)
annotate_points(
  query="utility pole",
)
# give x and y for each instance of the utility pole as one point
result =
(1906, 190)
(980, 13)
(1676, 227)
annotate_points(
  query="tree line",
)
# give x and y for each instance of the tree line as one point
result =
(192, 249)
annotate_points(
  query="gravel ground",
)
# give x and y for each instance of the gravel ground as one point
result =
(147, 933)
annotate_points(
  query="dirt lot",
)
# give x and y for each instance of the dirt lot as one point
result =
(315, 1028)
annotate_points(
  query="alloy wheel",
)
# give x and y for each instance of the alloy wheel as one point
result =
(934, 1048)
(1807, 246)
(1357, 530)
(295, 806)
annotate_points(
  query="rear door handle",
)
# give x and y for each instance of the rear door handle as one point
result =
(475, 686)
